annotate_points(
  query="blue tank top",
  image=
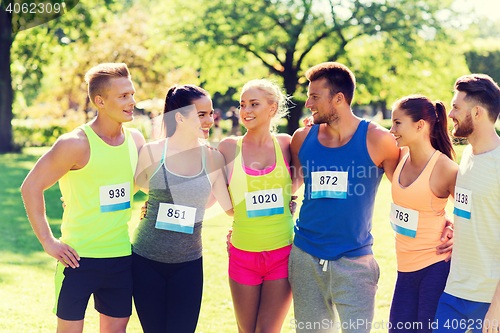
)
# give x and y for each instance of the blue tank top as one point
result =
(336, 222)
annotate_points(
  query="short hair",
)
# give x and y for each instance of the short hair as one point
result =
(98, 78)
(273, 95)
(339, 78)
(482, 89)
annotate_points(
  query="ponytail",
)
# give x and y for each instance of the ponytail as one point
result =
(419, 107)
(170, 124)
(440, 137)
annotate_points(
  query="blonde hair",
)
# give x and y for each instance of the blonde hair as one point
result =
(274, 95)
(98, 78)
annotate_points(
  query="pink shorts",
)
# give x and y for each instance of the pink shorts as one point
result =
(252, 268)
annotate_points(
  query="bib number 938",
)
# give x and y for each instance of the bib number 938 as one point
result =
(115, 197)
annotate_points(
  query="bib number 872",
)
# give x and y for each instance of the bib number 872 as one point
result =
(117, 193)
(401, 216)
(326, 180)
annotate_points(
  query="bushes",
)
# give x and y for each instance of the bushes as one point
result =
(42, 124)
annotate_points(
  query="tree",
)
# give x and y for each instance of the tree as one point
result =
(6, 93)
(283, 34)
(123, 37)
(13, 18)
(485, 61)
(385, 71)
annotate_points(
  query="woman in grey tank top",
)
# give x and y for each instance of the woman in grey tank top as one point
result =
(180, 174)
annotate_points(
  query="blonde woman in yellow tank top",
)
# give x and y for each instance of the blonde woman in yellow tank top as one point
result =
(260, 185)
(422, 183)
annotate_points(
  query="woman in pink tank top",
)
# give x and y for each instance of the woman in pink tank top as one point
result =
(422, 183)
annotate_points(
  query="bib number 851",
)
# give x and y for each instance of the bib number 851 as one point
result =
(177, 213)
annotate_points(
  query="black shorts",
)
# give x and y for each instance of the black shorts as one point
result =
(109, 279)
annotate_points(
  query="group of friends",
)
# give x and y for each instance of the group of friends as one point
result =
(324, 261)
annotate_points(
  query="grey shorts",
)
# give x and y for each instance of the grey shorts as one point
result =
(332, 296)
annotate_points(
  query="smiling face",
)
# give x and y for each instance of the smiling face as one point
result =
(201, 118)
(255, 109)
(320, 102)
(461, 114)
(117, 102)
(403, 128)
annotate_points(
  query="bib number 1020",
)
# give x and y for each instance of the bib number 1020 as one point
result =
(264, 198)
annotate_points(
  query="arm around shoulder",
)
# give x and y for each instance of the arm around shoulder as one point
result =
(284, 141)
(217, 175)
(138, 138)
(298, 139)
(383, 149)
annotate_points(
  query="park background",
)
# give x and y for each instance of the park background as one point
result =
(394, 48)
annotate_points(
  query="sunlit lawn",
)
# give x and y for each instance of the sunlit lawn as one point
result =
(26, 272)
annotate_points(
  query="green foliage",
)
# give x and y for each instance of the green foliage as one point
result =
(42, 124)
(484, 57)
(286, 37)
(385, 71)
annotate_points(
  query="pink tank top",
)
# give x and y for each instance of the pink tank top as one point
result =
(419, 252)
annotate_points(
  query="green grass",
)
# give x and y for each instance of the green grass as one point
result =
(26, 272)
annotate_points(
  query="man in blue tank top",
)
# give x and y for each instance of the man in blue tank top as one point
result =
(341, 160)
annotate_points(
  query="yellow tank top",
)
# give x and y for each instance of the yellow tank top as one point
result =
(98, 198)
(418, 251)
(261, 198)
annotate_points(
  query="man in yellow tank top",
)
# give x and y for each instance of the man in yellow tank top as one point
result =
(94, 165)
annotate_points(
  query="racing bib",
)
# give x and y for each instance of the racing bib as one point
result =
(404, 221)
(329, 184)
(175, 218)
(264, 202)
(463, 201)
(113, 198)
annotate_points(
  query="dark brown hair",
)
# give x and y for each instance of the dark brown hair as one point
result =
(338, 76)
(178, 97)
(482, 89)
(421, 107)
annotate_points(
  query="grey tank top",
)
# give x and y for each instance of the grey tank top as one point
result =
(164, 186)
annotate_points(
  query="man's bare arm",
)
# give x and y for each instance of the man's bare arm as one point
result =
(69, 152)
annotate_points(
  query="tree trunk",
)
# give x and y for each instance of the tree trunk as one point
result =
(6, 92)
(385, 111)
(290, 83)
